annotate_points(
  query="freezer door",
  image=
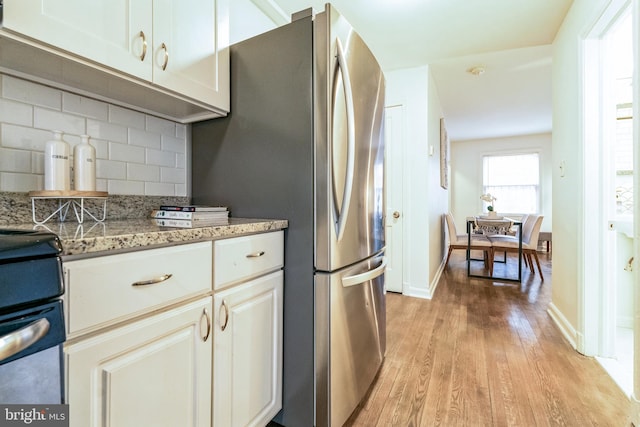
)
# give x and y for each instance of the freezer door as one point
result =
(349, 106)
(350, 338)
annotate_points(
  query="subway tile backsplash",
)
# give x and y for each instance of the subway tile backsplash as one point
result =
(137, 154)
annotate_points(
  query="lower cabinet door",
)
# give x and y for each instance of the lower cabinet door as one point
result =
(152, 372)
(248, 352)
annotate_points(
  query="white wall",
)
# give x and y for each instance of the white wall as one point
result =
(424, 200)
(437, 197)
(247, 20)
(466, 173)
(137, 154)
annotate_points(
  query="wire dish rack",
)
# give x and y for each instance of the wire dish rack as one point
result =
(73, 201)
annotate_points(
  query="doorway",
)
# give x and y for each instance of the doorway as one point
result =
(394, 218)
(608, 311)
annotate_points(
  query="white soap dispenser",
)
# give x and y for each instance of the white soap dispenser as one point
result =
(84, 165)
(56, 164)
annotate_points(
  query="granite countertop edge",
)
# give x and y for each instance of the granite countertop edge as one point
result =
(99, 237)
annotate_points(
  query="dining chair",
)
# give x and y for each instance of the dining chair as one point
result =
(530, 231)
(461, 241)
(528, 223)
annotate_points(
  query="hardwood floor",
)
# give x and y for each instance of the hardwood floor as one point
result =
(484, 353)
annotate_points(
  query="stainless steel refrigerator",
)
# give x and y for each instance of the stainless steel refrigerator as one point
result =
(304, 142)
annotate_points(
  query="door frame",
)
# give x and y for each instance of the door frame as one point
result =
(394, 196)
(596, 296)
(635, 11)
(596, 310)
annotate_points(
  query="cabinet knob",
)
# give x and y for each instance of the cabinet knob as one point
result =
(396, 214)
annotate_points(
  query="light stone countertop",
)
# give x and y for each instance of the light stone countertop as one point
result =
(95, 238)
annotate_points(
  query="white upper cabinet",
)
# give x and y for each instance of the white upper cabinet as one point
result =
(186, 55)
(165, 56)
(112, 33)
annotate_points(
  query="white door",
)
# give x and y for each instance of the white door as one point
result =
(153, 372)
(247, 337)
(394, 189)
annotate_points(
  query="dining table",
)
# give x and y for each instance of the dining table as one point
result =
(488, 226)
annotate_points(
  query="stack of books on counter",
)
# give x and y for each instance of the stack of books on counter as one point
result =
(191, 216)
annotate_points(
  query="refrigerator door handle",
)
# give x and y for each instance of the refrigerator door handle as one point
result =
(366, 276)
(342, 69)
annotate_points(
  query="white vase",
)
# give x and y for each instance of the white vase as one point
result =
(492, 214)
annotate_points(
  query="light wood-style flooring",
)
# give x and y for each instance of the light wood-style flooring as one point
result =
(484, 353)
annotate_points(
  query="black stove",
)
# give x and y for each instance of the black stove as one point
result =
(30, 268)
(31, 318)
(16, 244)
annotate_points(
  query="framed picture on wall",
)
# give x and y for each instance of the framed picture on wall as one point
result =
(444, 156)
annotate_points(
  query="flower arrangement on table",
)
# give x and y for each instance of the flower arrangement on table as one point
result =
(489, 199)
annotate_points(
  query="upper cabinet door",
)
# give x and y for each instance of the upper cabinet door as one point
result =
(112, 33)
(190, 54)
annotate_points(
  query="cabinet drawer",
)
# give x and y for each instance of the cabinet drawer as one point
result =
(241, 258)
(108, 289)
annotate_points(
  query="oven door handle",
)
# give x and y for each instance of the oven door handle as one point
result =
(17, 341)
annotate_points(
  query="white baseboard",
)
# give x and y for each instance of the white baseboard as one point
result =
(427, 293)
(417, 292)
(567, 330)
(634, 412)
(436, 279)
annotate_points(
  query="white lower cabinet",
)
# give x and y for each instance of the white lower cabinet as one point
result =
(247, 331)
(150, 346)
(139, 349)
(247, 356)
(152, 372)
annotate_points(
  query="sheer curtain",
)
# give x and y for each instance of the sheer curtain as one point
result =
(514, 180)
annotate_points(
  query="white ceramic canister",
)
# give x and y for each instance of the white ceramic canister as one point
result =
(84, 165)
(56, 164)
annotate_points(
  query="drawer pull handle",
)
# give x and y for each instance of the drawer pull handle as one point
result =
(153, 281)
(256, 254)
(166, 56)
(205, 315)
(226, 315)
(144, 45)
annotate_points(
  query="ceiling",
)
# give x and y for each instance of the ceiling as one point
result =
(509, 38)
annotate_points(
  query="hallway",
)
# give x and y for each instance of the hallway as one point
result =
(484, 353)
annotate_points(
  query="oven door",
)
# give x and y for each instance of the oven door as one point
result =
(31, 355)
